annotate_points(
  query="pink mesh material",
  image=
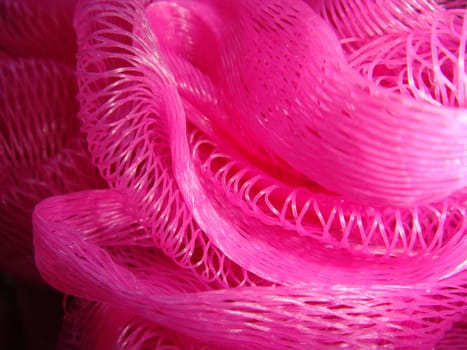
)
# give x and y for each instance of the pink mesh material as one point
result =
(371, 20)
(279, 177)
(42, 151)
(350, 144)
(132, 148)
(106, 263)
(455, 337)
(92, 325)
(38, 28)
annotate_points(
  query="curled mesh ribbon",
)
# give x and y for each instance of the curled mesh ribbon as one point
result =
(279, 176)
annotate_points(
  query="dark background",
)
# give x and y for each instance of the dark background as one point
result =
(30, 316)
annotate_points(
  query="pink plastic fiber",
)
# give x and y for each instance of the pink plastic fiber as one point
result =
(42, 152)
(279, 174)
(38, 29)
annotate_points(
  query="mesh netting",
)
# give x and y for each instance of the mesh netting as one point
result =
(371, 20)
(42, 151)
(82, 317)
(38, 28)
(110, 262)
(337, 129)
(278, 176)
(414, 64)
(91, 325)
(455, 337)
(131, 147)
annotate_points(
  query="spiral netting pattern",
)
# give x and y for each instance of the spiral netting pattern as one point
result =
(341, 132)
(131, 148)
(278, 174)
(287, 218)
(404, 315)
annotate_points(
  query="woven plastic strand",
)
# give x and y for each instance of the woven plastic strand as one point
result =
(266, 160)
(38, 28)
(79, 331)
(317, 119)
(456, 337)
(81, 316)
(42, 152)
(417, 315)
(128, 138)
(270, 210)
(370, 19)
(90, 325)
(260, 256)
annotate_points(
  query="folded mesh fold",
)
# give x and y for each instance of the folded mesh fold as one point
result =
(42, 152)
(278, 177)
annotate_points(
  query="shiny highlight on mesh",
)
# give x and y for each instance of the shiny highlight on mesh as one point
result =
(277, 176)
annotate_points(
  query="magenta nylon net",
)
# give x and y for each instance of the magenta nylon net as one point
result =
(105, 263)
(42, 151)
(38, 28)
(282, 174)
